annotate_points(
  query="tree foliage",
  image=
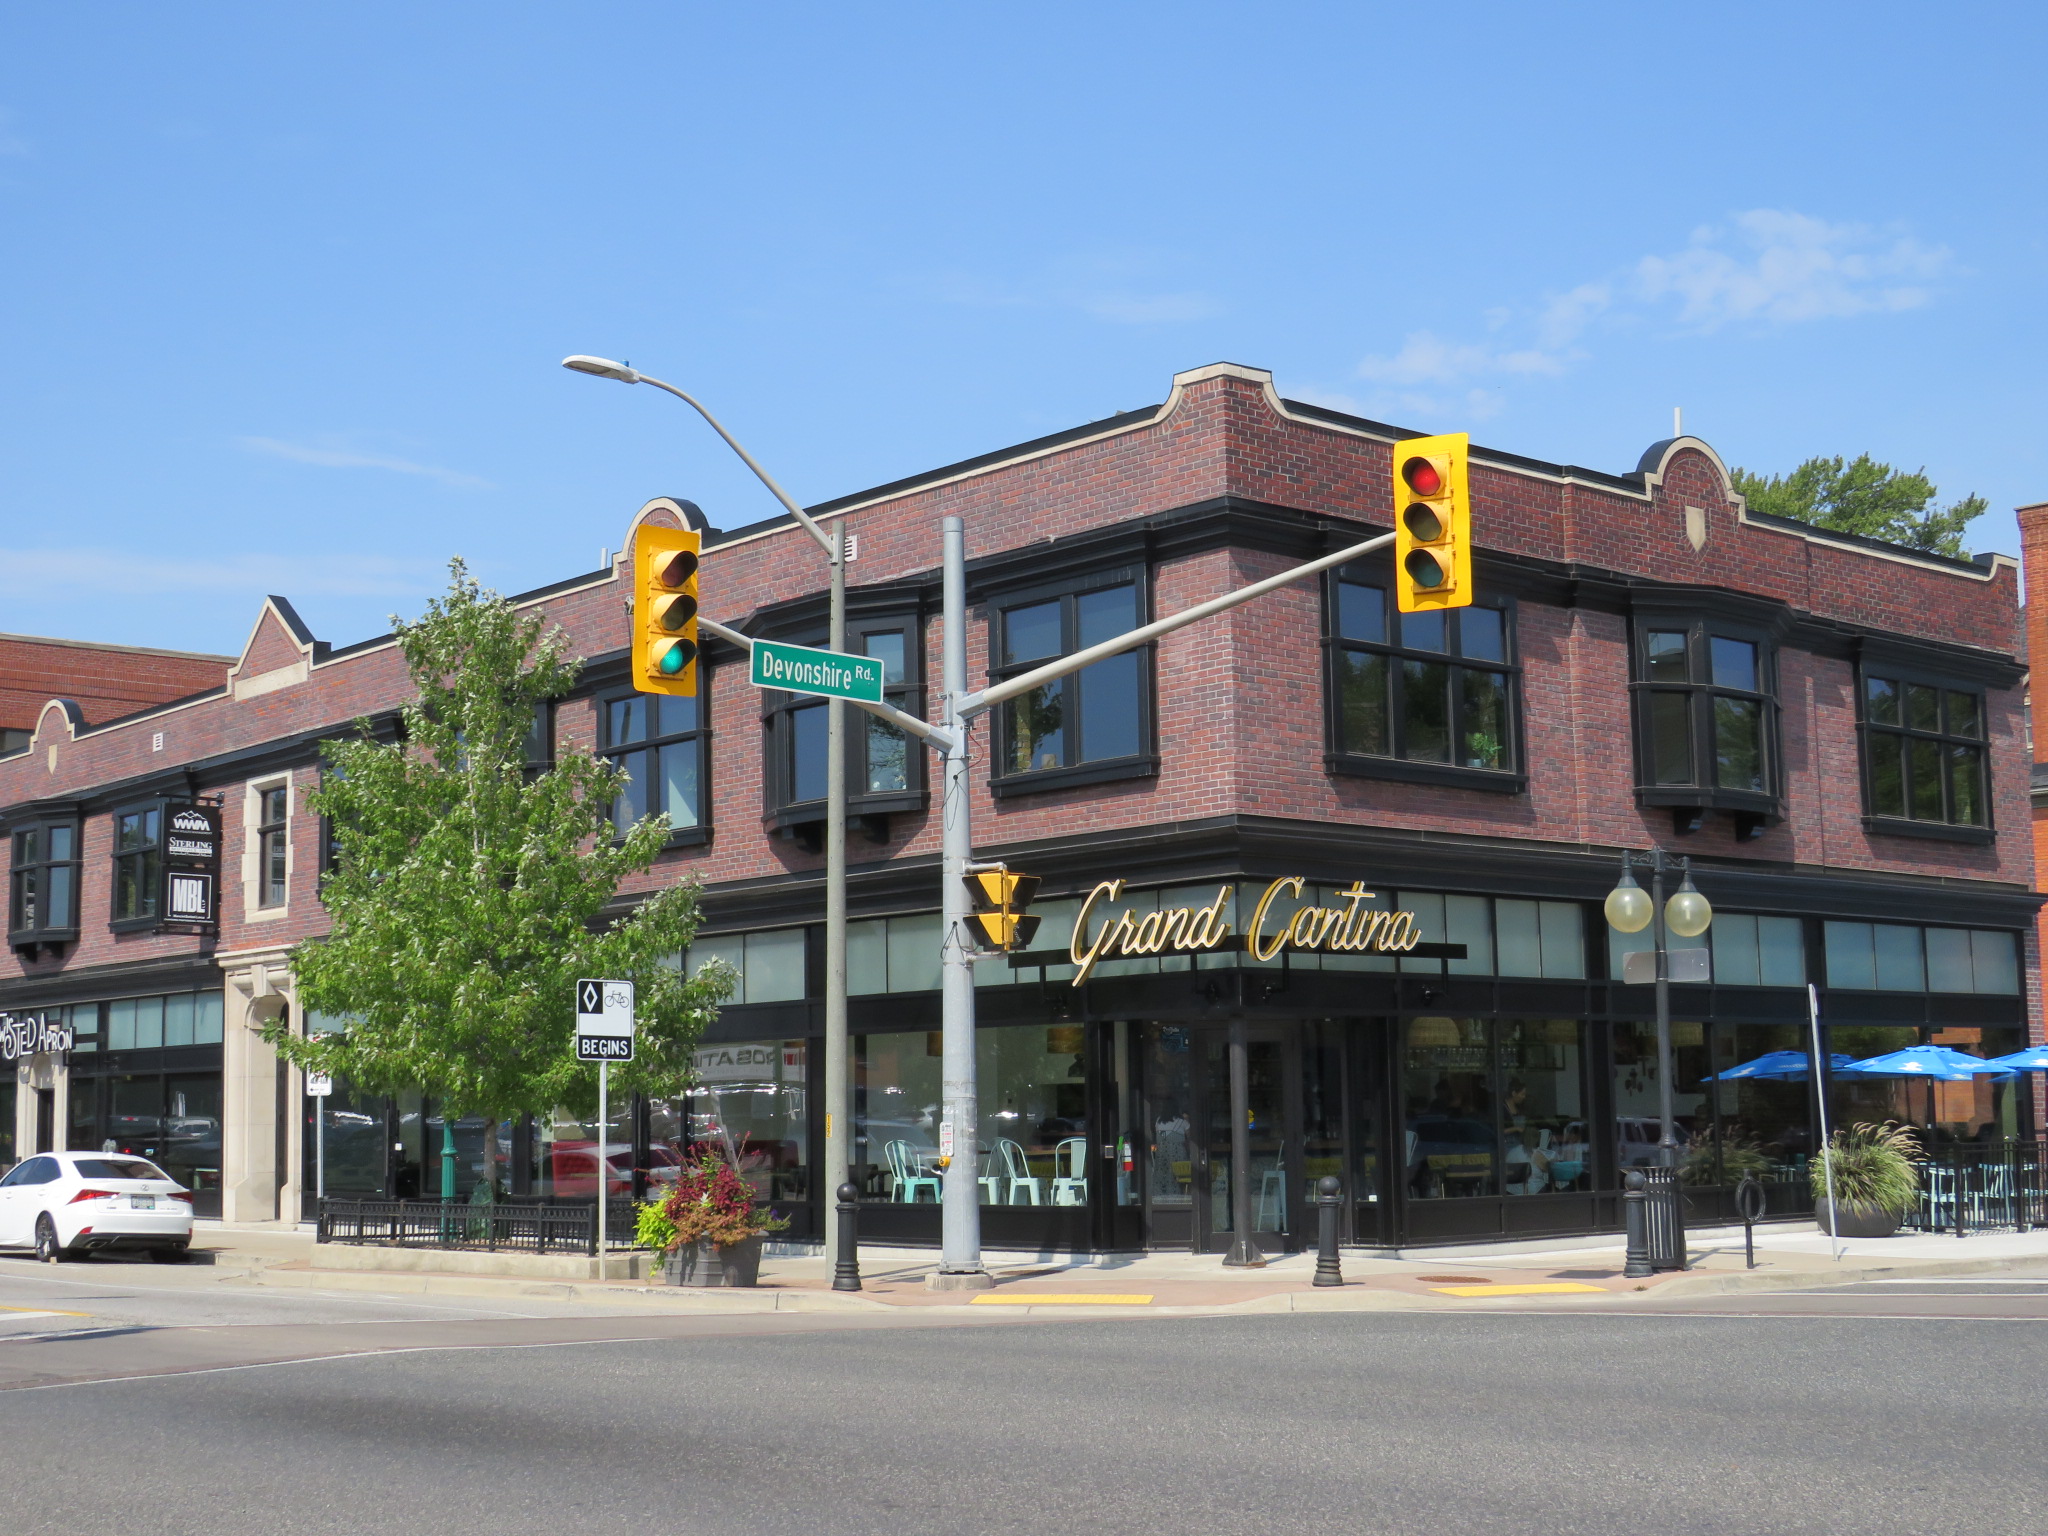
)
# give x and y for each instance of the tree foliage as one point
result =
(469, 895)
(1866, 497)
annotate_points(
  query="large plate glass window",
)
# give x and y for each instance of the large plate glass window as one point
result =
(1923, 751)
(1094, 723)
(1420, 688)
(658, 741)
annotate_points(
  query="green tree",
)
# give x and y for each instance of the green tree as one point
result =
(1866, 497)
(468, 895)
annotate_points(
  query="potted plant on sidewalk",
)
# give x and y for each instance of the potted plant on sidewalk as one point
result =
(1875, 1174)
(707, 1229)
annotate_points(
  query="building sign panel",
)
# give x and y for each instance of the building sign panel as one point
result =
(192, 864)
(25, 1035)
(1351, 927)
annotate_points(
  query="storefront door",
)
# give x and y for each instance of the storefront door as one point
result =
(1189, 1199)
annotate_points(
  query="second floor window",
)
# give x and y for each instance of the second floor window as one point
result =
(273, 844)
(45, 882)
(1924, 747)
(1420, 687)
(138, 863)
(1706, 722)
(658, 741)
(1097, 716)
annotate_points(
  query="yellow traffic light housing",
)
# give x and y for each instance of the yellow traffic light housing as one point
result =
(665, 609)
(1432, 523)
(999, 902)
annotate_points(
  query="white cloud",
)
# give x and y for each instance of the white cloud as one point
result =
(348, 458)
(1765, 267)
(1788, 268)
(250, 575)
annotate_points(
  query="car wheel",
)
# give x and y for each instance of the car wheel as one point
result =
(48, 1249)
(168, 1255)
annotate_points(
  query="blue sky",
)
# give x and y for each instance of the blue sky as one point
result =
(283, 288)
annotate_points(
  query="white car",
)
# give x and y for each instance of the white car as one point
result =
(65, 1204)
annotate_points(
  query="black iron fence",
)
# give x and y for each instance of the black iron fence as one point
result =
(507, 1226)
(2001, 1186)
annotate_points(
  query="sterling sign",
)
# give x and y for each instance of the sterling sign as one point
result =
(32, 1036)
(1352, 928)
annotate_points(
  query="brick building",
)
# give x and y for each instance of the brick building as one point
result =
(104, 681)
(1829, 727)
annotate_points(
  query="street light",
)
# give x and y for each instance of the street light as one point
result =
(1630, 909)
(838, 1128)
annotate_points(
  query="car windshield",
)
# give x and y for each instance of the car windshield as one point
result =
(117, 1168)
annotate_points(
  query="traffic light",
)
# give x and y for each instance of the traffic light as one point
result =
(999, 902)
(665, 609)
(1432, 523)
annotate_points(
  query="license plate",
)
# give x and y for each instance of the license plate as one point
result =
(142, 1202)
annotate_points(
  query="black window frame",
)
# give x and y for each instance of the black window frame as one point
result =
(1906, 824)
(1753, 810)
(783, 713)
(152, 857)
(1071, 773)
(540, 739)
(273, 836)
(22, 935)
(699, 735)
(1339, 758)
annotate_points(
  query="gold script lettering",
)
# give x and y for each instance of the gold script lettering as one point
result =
(1110, 889)
(1251, 935)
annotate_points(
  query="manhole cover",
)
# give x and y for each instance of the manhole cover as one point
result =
(1452, 1280)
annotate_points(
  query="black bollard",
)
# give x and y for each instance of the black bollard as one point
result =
(1329, 1197)
(846, 1273)
(1633, 1201)
(1749, 1204)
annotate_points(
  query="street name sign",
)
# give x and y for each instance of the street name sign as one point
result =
(1639, 968)
(604, 1021)
(800, 669)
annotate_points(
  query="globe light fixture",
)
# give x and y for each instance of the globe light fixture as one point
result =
(1628, 906)
(1687, 913)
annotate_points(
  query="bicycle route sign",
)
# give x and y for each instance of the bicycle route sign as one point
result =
(604, 1020)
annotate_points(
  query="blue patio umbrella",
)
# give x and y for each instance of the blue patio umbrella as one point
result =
(1937, 1063)
(2033, 1059)
(1785, 1066)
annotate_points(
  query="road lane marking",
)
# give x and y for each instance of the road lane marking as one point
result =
(14, 1312)
(1559, 1288)
(1052, 1299)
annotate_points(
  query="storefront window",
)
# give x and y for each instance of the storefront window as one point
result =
(896, 1116)
(1034, 1115)
(1447, 1094)
(1543, 1111)
(565, 1154)
(1169, 1117)
(1764, 1124)
(749, 1106)
(352, 1122)
(1637, 1112)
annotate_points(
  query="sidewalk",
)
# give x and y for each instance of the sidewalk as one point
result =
(1788, 1257)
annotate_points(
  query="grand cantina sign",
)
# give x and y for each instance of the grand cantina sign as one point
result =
(1352, 928)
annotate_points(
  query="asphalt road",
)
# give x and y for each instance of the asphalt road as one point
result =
(1480, 1423)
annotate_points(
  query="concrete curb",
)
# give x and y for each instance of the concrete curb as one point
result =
(1830, 1274)
(656, 1298)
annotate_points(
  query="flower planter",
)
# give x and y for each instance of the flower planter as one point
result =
(1846, 1219)
(705, 1265)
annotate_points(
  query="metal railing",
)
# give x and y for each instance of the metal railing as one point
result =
(503, 1227)
(2001, 1186)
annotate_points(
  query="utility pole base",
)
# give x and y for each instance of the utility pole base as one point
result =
(964, 1280)
(1244, 1254)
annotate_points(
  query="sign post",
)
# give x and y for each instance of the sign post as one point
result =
(319, 1085)
(604, 1034)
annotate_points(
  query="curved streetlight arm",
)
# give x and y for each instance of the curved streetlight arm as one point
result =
(810, 526)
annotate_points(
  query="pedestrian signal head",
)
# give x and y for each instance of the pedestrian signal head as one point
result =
(998, 918)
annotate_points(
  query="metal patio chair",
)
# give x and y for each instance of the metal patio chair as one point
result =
(904, 1182)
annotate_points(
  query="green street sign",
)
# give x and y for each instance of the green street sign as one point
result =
(799, 669)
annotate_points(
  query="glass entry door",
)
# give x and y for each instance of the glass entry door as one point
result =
(1187, 1124)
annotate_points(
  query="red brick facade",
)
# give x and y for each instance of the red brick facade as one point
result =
(1240, 709)
(105, 681)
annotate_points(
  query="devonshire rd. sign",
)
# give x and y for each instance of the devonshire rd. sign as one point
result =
(1352, 928)
(799, 669)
